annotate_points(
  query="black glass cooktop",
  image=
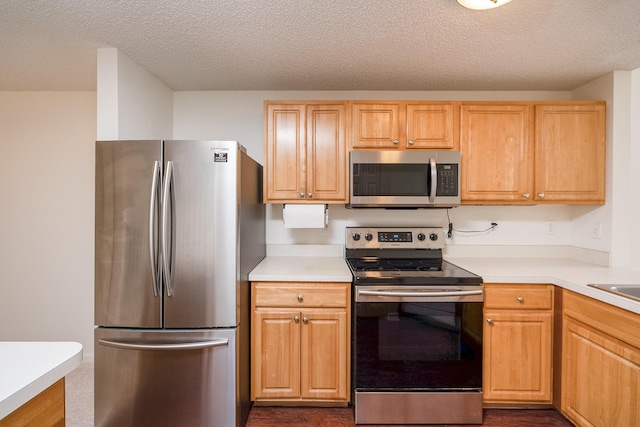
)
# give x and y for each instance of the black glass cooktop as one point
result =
(377, 264)
(399, 271)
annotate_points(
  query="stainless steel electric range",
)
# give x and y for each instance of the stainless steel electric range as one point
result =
(417, 329)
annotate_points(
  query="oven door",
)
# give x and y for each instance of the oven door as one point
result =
(417, 357)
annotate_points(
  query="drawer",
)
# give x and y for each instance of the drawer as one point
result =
(518, 297)
(283, 294)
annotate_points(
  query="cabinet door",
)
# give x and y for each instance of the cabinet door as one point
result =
(276, 354)
(518, 357)
(324, 367)
(326, 166)
(285, 153)
(46, 409)
(600, 378)
(570, 153)
(497, 157)
(430, 126)
(376, 125)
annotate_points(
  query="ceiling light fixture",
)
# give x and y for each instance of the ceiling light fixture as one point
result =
(482, 4)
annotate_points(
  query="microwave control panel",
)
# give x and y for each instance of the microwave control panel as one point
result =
(447, 179)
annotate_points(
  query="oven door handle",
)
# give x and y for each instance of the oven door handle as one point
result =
(419, 294)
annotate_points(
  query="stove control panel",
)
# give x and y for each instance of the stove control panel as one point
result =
(394, 237)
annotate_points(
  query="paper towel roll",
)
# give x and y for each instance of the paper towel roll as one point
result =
(304, 216)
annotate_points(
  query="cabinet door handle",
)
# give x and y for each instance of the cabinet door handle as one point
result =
(541, 195)
(301, 195)
(296, 319)
(520, 299)
(305, 320)
(490, 321)
(526, 195)
(300, 298)
(396, 141)
(411, 142)
(309, 195)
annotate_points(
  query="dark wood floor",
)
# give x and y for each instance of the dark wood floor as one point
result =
(343, 417)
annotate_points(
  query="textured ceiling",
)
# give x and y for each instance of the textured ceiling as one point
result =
(320, 44)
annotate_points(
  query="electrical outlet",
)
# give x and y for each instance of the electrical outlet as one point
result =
(596, 230)
(551, 227)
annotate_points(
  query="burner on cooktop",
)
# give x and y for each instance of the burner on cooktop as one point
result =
(400, 262)
(429, 268)
(380, 268)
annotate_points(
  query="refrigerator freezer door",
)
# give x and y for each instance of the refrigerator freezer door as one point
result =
(202, 284)
(126, 240)
(165, 378)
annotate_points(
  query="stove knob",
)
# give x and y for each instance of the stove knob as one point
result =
(355, 236)
(368, 236)
(433, 237)
(421, 237)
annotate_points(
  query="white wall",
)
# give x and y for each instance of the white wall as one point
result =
(132, 103)
(634, 177)
(621, 208)
(584, 218)
(46, 216)
(239, 116)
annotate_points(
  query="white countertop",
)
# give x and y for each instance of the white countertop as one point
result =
(301, 269)
(564, 272)
(28, 368)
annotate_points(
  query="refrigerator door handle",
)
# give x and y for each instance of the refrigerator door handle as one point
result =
(177, 346)
(153, 257)
(167, 257)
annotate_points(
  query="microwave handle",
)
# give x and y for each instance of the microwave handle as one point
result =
(434, 180)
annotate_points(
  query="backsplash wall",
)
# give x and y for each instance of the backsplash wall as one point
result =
(517, 225)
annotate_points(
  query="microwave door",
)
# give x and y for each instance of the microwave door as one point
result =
(417, 179)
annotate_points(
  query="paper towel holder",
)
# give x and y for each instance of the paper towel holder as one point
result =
(295, 221)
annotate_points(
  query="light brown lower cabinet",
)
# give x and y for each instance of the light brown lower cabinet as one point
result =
(600, 363)
(300, 343)
(44, 410)
(518, 344)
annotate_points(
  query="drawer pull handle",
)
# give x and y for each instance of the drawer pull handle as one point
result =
(520, 299)
(490, 321)
(305, 320)
(300, 298)
(296, 319)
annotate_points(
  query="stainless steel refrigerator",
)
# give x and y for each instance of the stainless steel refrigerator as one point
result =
(178, 227)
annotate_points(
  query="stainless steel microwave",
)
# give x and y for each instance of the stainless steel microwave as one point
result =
(404, 179)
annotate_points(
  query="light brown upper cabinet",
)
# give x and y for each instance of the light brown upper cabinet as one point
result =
(496, 146)
(532, 152)
(306, 155)
(570, 153)
(403, 125)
